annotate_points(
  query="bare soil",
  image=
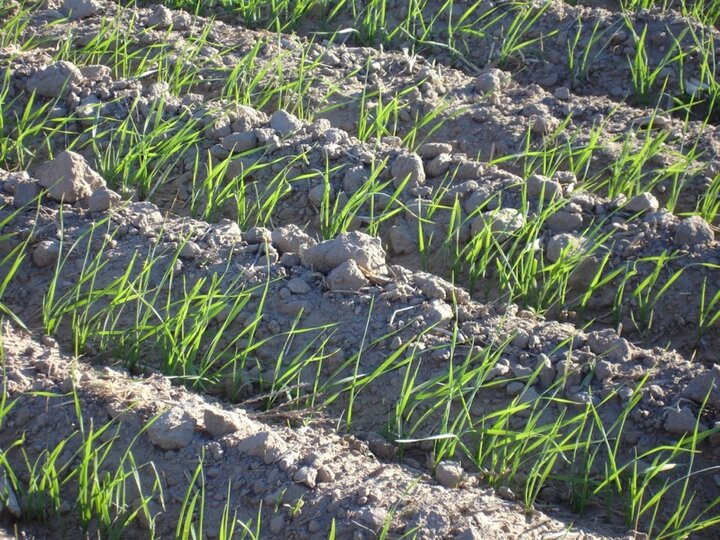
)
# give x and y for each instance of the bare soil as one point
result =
(299, 462)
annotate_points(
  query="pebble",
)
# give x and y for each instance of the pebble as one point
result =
(347, 277)
(102, 199)
(402, 240)
(503, 223)
(68, 177)
(161, 18)
(514, 388)
(277, 524)
(46, 252)
(438, 165)
(363, 249)
(54, 80)
(284, 122)
(449, 474)
(408, 167)
(172, 430)
(541, 186)
(298, 286)
(237, 143)
(603, 370)
(506, 493)
(317, 194)
(643, 202)
(325, 474)
(564, 221)
(25, 193)
(562, 93)
(564, 244)
(307, 476)
(434, 149)
(219, 423)
(693, 231)
(490, 81)
(79, 9)
(680, 422)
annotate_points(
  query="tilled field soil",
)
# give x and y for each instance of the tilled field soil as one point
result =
(434, 289)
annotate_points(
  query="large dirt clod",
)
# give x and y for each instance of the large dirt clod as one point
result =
(172, 430)
(366, 251)
(54, 80)
(693, 231)
(68, 177)
(79, 9)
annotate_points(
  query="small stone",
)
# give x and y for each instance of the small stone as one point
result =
(218, 129)
(161, 18)
(432, 150)
(325, 474)
(408, 167)
(643, 202)
(654, 121)
(68, 177)
(79, 9)
(347, 277)
(373, 517)
(564, 245)
(190, 250)
(547, 373)
(54, 80)
(438, 165)
(298, 286)
(381, 447)
(307, 476)
(354, 178)
(25, 193)
(291, 239)
(277, 524)
(172, 430)
(693, 231)
(541, 186)
(257, 235)
(317, 194)
(604, 370)
(402, 240)
(514, 388)
(284, 123)
(506, 493)
(437, 311)
(562, 93)
(219, 423)
(240, 142)
(265, 445)
(607, 343)
(705, 384)
(565, 178)
(95, 72)
(449, 474)
(490, 81)
(681, 422)
(503, 223)
(8, 499)
(359, 247)
(544, 124)
(102, 199)
(46, 252)
(564, 221)
(219, 152)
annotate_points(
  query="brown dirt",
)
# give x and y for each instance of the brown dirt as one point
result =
(366, 477)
